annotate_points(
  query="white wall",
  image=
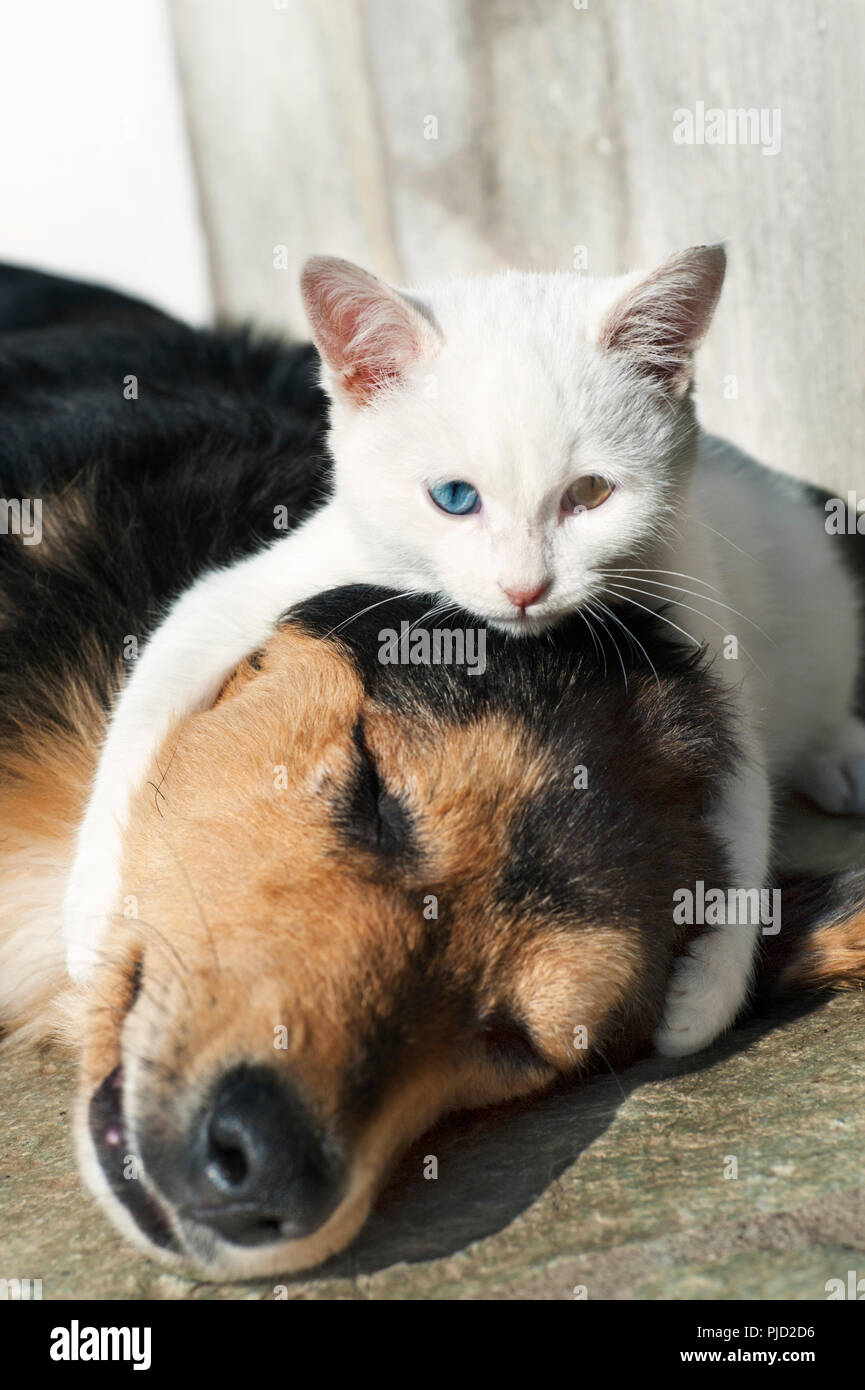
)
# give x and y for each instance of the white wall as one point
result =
(95, 174)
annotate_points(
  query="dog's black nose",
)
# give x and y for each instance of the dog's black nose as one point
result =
(261, 1169)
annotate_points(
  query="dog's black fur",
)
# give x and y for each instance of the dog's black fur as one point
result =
(225, 430)
(653, 752)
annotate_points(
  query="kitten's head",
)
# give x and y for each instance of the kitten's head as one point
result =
(508, 439)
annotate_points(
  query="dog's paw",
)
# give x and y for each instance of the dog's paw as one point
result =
(704, 996)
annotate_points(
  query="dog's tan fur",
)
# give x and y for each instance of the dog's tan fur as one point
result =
(41, 797)
(248, 917)
(832, 957)
(247, 921)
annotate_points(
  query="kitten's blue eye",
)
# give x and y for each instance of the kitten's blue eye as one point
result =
(457, 498)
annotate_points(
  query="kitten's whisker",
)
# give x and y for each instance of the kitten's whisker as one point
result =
(430, 613)
(391, 598)
(598, 643)
(605, 632)
(615, 648)
(677, 588)
(722, 537)
(446, 610)
(679, 604)
(591, 632)
(437, 611)
(677, 574)
(664, 619)
(632, 638)
(605, 608)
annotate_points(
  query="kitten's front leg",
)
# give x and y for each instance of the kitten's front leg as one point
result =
(213, 626)
(711, 981)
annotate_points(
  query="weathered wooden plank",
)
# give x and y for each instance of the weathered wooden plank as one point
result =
(452, 135)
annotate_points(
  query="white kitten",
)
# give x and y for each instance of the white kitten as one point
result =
(526, 445)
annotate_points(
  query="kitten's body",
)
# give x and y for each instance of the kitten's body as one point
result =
(522, 384)
(771, 559)
(791, 674)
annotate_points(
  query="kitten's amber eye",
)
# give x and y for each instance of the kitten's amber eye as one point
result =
(587, 492)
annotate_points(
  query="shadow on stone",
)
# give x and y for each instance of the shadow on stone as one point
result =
(493, 1165)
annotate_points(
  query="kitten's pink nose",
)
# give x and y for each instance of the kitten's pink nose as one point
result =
(523, 597)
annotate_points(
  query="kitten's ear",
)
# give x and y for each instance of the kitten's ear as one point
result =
(662, 319)
(367, 332)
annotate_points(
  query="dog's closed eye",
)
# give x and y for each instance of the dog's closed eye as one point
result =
(370, 815)
(137, 974)
(508, 1041)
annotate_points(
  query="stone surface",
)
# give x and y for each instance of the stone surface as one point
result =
(618, 1186)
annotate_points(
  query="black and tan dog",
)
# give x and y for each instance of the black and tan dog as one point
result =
(357, 895)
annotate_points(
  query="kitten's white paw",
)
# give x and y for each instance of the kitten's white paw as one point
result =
(704, 996)
(81, 958)
(836, 781)
(88, 904)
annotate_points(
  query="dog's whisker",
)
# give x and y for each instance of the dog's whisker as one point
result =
(193, 895)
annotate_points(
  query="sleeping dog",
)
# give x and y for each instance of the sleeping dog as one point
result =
(357, 894)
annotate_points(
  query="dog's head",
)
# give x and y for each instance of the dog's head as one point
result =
(358, 895)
